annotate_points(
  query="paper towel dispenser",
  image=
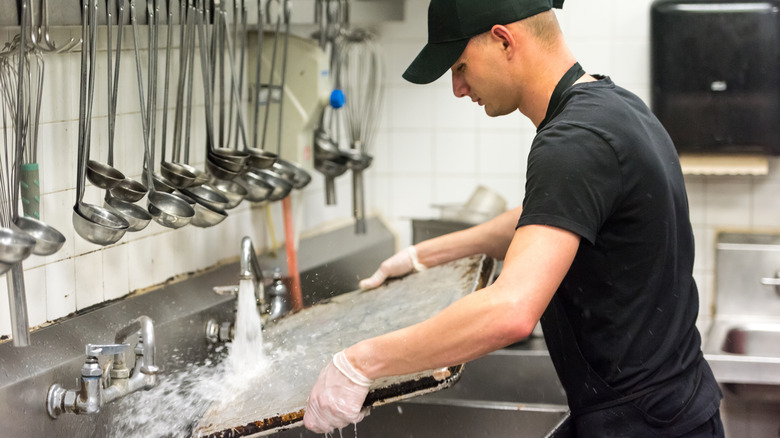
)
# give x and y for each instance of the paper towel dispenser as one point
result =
(716, 74)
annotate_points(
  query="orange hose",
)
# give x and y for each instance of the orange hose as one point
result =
(292, 255)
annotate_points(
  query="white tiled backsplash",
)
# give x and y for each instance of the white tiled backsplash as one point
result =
(431, 149)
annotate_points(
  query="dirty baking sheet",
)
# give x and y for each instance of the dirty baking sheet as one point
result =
(299, 346)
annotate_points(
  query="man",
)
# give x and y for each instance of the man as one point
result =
(601, 251)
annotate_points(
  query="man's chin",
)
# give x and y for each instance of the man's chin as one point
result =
(491, 112)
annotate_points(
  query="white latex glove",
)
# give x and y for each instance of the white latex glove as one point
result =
(401, 263)
(337, 398)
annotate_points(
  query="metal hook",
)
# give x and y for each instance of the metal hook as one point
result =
(44, 30)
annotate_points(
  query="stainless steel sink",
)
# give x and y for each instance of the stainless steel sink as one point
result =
(745, 357)
(743, 343)
(762, 340)
(511, 392)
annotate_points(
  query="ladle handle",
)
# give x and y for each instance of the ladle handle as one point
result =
(287, 11)
(190, 73)
(150, 181)
(91, 86)
(271, 74)
(82, 156)
(114, 84)
(233, 89)
(183, 51)
(358, 201)
(258, 86)
(169, 36)
(206, 74)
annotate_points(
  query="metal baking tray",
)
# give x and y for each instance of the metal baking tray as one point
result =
(303, 343)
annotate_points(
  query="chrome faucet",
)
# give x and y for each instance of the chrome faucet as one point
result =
(272, 304)
(99, 386)
(250, 270)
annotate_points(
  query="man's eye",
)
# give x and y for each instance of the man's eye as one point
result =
(461, 67)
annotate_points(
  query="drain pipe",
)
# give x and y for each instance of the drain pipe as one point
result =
(292, 255)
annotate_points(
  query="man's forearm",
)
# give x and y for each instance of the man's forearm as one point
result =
(492, 238)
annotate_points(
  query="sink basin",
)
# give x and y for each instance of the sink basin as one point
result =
(745, 357)
(762, 340)
(511, 392)
(513, 376)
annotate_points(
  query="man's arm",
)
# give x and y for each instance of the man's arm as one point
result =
(536, 262)
(492, 238)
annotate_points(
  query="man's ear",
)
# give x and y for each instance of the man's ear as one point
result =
(505, 36)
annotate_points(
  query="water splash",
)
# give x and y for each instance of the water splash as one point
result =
(171, 408)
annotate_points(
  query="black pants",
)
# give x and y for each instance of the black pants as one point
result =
(711, 429)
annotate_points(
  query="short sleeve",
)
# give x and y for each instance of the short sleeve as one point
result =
(573, 181)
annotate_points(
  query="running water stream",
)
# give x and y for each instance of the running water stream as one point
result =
(247, 357)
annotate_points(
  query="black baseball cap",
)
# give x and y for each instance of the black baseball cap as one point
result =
(452, 23)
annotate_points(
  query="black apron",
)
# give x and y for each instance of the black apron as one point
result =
(597, 409)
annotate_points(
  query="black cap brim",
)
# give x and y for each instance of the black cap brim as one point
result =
(434, 60)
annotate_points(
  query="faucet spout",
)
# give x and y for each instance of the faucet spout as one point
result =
(250, 270)
(250, 267)
(94, 390)
(145, 327)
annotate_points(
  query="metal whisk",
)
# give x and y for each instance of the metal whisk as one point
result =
(362, 77)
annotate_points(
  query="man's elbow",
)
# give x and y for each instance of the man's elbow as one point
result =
(515, 326)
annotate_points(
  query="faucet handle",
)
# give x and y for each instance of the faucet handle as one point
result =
(95, 350)
(226, 290)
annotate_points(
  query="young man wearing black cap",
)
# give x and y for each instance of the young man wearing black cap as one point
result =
(601, 252)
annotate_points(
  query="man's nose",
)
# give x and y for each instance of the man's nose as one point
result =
(459, 86)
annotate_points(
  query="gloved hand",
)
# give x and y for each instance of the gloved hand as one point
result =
(401, 263)
(337, 398)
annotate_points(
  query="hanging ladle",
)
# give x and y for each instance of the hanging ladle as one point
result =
(167, 209)
(178, 175)
(187, 70)
(259, 158)
(137, 217)
(102, 175)
(93, 223)
(221, 163)
(128, 190)
(209, 204)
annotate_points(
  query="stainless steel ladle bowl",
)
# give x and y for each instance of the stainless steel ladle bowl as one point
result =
(256, 187)
(260, 159)
(129, 190)
(201, 177)
(102, 175)
(206, 195)
(137, 217)
(169, 210)
(15, 245)
(280, 186)
(98, 225)
(298, 177)
(207, 216)
(161, 184)
(218, 171)
(233, 191)
(176, 174)
(47, 239)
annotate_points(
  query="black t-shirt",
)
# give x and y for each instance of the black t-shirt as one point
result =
(603, 167)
